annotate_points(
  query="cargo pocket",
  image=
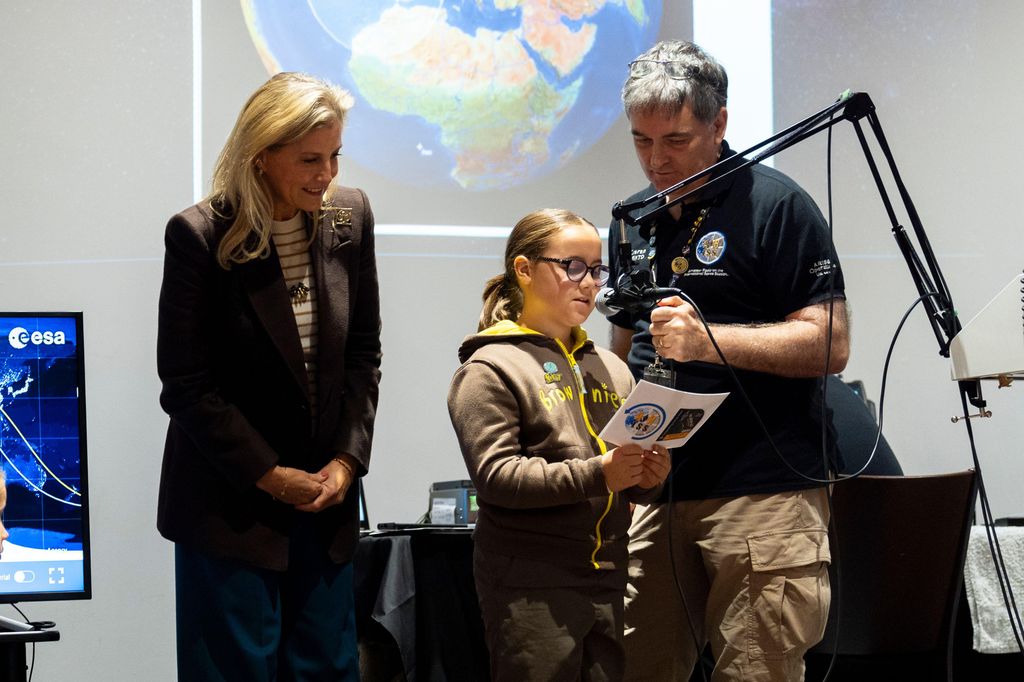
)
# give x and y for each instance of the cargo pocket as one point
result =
(789, 591)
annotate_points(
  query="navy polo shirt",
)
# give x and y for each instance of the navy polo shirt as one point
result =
(761, 252)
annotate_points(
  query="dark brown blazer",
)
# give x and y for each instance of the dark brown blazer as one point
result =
(235, 388)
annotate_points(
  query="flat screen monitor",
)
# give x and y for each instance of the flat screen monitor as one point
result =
(43, 457)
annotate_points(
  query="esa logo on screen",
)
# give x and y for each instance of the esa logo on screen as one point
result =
(21, 337)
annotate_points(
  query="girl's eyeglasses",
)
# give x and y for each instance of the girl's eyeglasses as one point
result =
(576, 270)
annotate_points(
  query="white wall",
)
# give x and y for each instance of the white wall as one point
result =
(95, 151)
(95, 148)
(944, 79)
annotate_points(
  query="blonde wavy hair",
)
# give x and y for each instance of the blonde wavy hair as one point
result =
(503, 299)
(284, 109)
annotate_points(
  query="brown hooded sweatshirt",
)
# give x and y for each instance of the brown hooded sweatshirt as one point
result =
(527, 411)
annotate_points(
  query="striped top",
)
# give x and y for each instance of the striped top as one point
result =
(292, 243)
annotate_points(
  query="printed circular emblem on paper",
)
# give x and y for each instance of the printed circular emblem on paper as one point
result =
(644, 420)
(550, 367)
(711, 247)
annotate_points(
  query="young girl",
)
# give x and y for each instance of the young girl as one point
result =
(527, 405)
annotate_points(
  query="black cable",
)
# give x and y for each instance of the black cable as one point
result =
(835, 591)
(21, 613)
(824, 428)
(826, 482)
(743, 392)
(881, 411)
(697, 643)
(993, 539)
(831, 303)
(835, 530)
(996, 551)
(753, 409)
(994, 547)
(32, 665)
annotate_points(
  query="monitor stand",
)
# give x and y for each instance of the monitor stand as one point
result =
(14, 635)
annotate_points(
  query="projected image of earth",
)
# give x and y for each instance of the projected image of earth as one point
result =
(477, 94)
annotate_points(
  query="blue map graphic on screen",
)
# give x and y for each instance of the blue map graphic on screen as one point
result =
(477, 94)
(39, 434)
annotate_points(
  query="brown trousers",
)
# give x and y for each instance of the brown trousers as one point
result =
(547, 633)
(753, 571)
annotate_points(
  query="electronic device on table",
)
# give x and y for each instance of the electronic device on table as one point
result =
(452, 506)
(453, 502)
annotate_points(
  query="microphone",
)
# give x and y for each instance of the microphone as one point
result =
(630, 298)
(606, 302)
(634, 299)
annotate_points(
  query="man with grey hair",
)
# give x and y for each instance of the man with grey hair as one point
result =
(746, 569)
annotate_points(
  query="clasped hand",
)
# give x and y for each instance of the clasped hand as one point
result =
(631, 465)
(309, 492)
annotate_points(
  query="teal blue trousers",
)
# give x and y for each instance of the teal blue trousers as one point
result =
(237, 622)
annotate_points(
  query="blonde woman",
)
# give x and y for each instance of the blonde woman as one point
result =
(527, 404)
(269, 352)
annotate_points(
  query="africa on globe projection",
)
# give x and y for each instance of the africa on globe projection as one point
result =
(477, 94)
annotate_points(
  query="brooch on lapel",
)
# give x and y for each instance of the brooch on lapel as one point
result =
(341, 228)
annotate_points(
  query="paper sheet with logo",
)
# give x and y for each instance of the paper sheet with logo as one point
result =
(662, 415)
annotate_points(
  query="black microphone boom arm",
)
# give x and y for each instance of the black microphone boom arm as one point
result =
(850, 106)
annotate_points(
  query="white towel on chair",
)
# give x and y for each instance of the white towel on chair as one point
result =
(992, 631)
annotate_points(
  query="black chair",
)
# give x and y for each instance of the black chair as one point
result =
(898, 558)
